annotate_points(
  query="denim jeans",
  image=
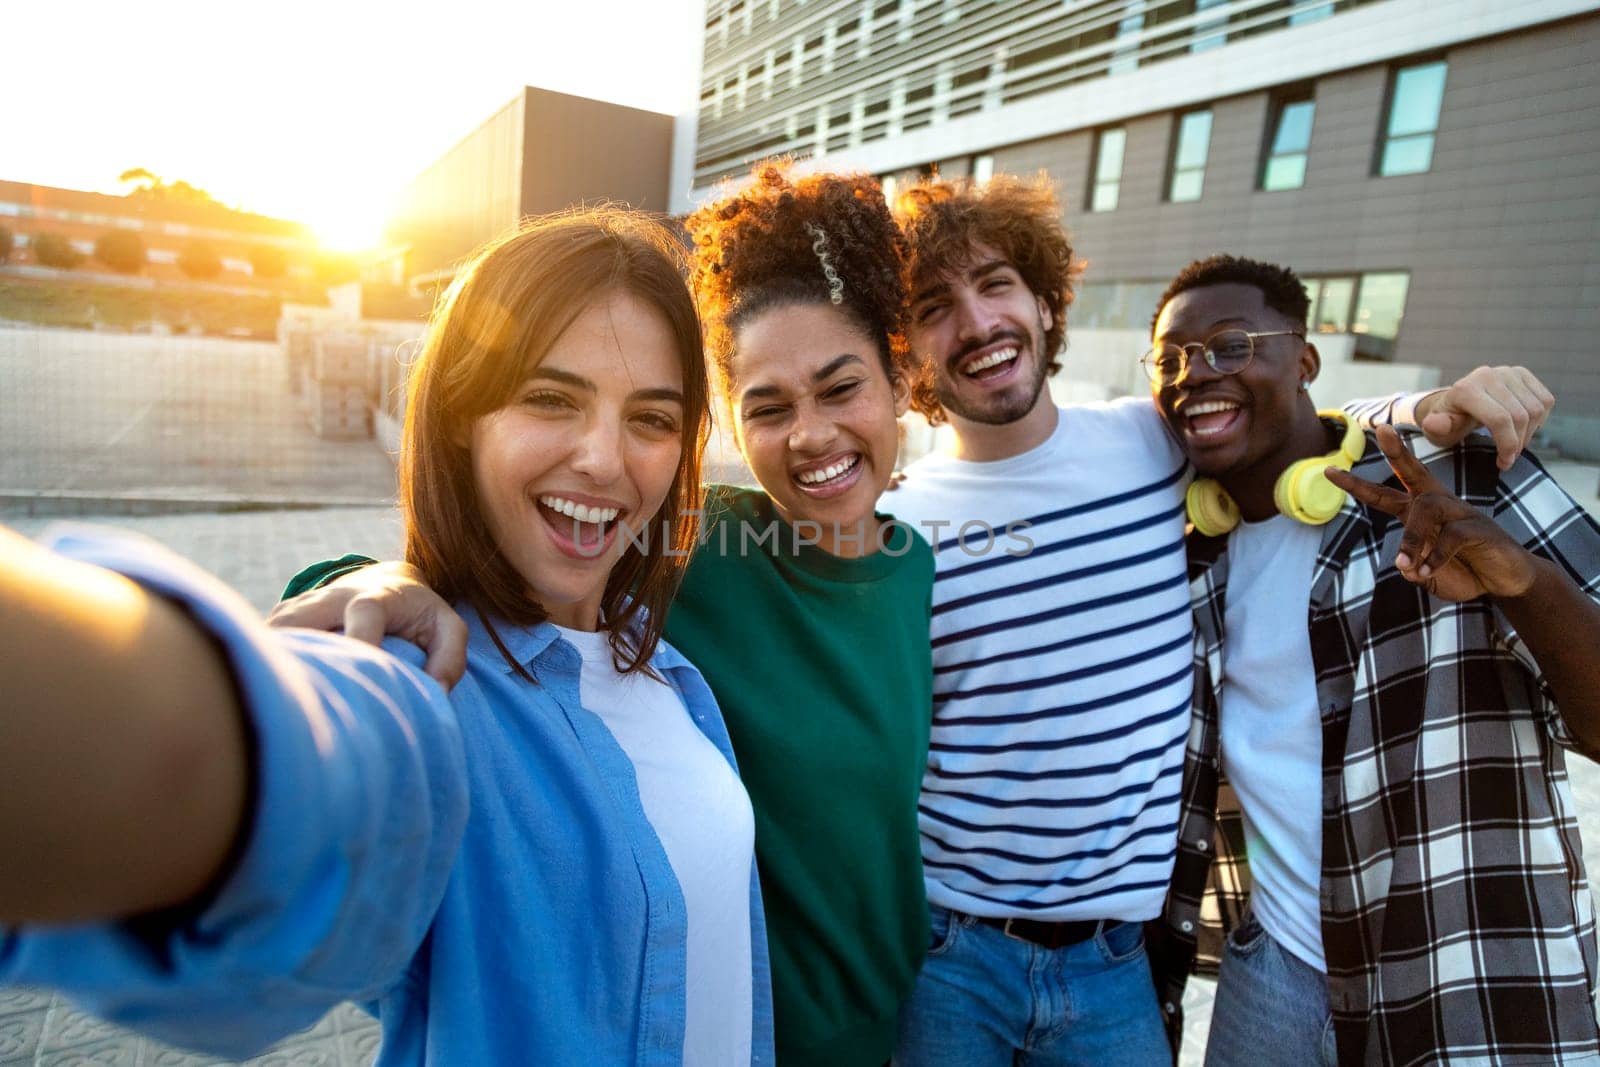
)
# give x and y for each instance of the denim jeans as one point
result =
(1268, 998)
(984, 999)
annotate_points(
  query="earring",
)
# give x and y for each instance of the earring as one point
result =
(1305, 386)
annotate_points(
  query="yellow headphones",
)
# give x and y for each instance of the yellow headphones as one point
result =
(1302, 491)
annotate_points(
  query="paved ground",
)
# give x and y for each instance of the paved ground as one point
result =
(182, 417)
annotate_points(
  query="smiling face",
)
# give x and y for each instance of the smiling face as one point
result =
(1242, 429)
(982, 330)
(816, 415)
(590, 440)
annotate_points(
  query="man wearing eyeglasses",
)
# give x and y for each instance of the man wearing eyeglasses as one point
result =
(1388, 682)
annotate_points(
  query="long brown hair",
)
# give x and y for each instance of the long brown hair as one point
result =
(496, 322)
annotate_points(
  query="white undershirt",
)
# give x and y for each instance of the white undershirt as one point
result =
(701, 813)
(1271, 729)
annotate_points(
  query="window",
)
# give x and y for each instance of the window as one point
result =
(1191, 144)
(1415, 95)
(1330, 304)
(1314, 13)
(982, 168)
(1212, 33)
(1380, 305)
(1371, 306)
(1289, 141)
(1126, 58)
(1106, 174)
(1123, 305)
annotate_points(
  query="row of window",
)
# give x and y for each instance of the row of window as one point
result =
(843, 74)
(1369, 305)
(1416, 94)
(134, 222)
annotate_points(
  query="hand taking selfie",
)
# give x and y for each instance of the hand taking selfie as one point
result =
(1449, 547)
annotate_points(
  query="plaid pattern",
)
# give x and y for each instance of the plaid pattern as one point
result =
(1457, 919)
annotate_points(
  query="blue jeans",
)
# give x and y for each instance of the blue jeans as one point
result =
(984, 999)
(1268, 998)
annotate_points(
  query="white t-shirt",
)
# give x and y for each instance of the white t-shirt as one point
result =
(701, 813)
(1271, 727)
(1063, 669)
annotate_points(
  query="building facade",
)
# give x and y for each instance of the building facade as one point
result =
(1431, 168)
(251, 251)
(542, 152)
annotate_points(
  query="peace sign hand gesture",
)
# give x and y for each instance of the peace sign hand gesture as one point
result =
(1449, 547)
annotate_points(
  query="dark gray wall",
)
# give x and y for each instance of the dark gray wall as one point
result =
(579, 150)
(1501, 236)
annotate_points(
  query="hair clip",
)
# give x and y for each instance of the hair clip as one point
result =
(819, 245)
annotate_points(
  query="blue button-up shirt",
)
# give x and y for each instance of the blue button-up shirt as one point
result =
(545, 927)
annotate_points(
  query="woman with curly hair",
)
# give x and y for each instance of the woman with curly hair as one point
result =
(818, 651)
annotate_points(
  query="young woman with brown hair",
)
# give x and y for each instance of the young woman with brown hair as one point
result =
(232, 829)
(806, 609)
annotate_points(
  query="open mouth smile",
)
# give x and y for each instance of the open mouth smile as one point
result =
(581, 531)
(994, 363)
(829, 478)
(1210, 417)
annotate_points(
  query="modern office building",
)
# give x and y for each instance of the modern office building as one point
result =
(1431, 167)
(542, 152)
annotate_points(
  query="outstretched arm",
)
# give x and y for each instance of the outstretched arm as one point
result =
(1458, 554)
(300, 796)
(123, 749)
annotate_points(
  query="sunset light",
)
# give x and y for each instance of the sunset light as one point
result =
(352, 226)
(321, 113)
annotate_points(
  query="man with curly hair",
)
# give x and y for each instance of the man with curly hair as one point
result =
(1062, 674)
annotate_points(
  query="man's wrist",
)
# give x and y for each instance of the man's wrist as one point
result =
(1543, 580)
(1411, 408)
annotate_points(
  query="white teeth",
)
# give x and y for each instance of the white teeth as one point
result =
(993, 359)
(1209, 407)
(581, 512)
(828, 473)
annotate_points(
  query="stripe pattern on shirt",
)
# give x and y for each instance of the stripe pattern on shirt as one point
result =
(1062, 674)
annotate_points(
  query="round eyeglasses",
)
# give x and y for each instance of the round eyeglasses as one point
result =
(1227, 352)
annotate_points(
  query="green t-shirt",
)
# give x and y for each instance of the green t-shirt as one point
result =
(824, 674)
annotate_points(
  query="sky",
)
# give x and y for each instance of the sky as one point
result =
(314, 111)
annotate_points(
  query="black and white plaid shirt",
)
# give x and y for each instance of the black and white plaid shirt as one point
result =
(1457, 919)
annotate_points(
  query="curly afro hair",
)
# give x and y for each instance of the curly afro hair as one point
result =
(1281, 288)
(774, 242)
(1018, 217)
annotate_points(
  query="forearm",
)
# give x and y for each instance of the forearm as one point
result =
(122, 745)
(1402, 410)
(1561, 627)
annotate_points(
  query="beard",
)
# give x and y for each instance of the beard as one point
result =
(1006, 406)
